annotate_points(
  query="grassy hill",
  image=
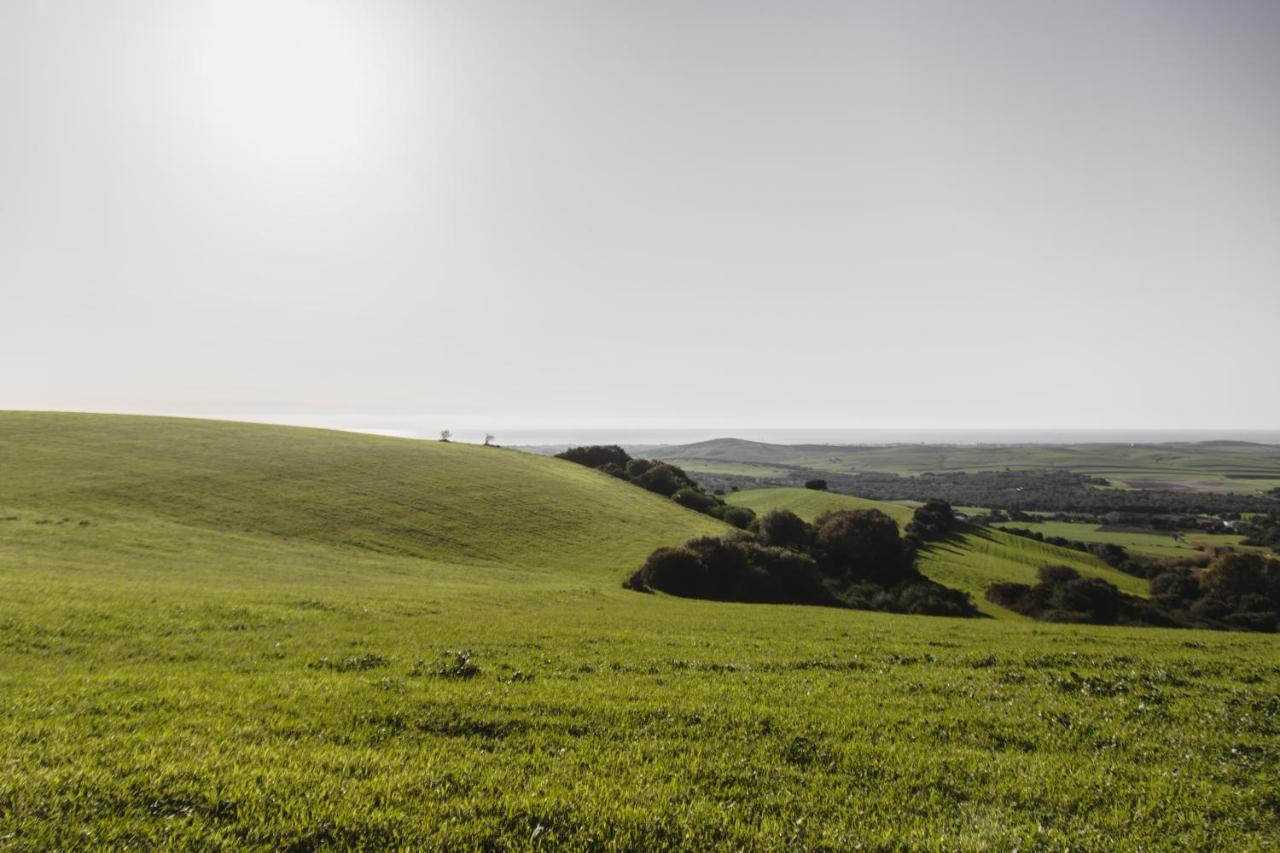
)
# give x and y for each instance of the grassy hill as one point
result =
(447, 502)
(1222, 465)
(971, 562)
(286, 639)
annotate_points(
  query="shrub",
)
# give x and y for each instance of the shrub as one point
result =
(1232, 576)
(597, 455)
(817, 485)
(664, 479)
(698, 501)
(926, 598)
(636, 467)
(782, 528)
(1175, 588)
(677, 571)
(1010, 595)
(1113, 555)
(863, 544)
(794, 576)
(739, 516)
(933, 520)
(1057, 574)
(1097, 601)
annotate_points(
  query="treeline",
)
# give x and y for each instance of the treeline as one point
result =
(1039, 491)
(1238, 591)
(849, 558)
(660, 478)
(1127, 520)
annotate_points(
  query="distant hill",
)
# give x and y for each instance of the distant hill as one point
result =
(1222, 465)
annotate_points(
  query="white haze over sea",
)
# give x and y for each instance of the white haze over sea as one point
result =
(429, 428)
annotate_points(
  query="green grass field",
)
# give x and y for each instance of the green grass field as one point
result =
(1217, 466)
(224, 635)
(1150, 544)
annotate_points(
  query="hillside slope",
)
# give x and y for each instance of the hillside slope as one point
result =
(970, 562)
(449, 502)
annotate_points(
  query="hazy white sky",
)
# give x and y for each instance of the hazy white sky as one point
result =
(806, 214)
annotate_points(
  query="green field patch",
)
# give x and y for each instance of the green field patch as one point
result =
(1149, 543)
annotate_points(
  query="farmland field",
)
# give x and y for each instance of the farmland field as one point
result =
(1149, 543)
(216, 634)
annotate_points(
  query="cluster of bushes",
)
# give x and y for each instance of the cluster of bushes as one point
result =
(661, 478)
(1161, 523)
(1263, 530)
(1236, 592)
(1064, 595)
(850, 558)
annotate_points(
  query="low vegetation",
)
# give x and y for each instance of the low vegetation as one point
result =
(1263, 530)
(847, 558)
(1236, 592)
(660, 478)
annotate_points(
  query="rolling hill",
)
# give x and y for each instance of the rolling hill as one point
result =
(283, 486)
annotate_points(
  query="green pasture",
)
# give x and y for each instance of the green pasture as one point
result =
(217, 635)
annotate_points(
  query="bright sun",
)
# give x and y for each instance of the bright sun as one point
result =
(288, 84)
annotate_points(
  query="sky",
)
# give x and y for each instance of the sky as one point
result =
(644, 214)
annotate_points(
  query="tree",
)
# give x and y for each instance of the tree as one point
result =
(446, 434)
(817, 485)
(488, 439)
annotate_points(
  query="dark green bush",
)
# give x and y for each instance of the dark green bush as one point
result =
(782, 528)
(698, 501)
(863, 545)
(664, 479)
(597, 456)
(933, 520)
(739, 516)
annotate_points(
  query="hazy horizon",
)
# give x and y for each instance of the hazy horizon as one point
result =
(626, 215)
(428, 427)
